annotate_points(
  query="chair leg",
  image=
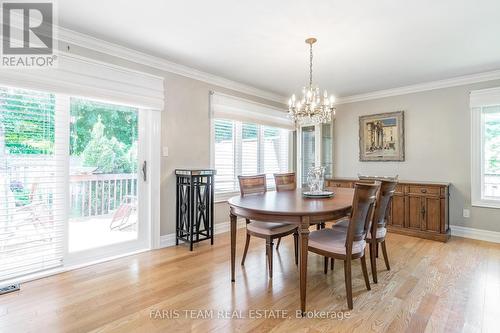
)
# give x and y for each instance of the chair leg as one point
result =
(269, 251)
(376, 249)
(332, 263)
(279, 242)
(318, 226)
(296, 247)
(365, 272)
(373, 261)
(384, 252)
(246, 250)
(323, 225)
(325, 268)
(348, 282)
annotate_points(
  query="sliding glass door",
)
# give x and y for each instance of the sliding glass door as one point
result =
(73, 181)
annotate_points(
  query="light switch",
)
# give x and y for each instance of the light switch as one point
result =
(466, 213)
(165, 151)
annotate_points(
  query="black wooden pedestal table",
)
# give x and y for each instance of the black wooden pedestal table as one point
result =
(194, 206)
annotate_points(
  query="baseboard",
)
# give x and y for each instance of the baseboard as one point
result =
(219, 228)
(479, 234)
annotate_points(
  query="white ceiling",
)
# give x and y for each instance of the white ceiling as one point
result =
(364, 45)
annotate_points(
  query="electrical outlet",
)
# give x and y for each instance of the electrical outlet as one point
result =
(466, 213)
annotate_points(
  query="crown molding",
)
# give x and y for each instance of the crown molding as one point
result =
(440, 84)
(99, 45)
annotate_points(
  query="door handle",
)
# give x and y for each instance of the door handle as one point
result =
(144, 171)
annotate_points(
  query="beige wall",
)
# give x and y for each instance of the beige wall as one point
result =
(185, 129)
(437, 145)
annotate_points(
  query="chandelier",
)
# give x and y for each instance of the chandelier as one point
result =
(312, 108)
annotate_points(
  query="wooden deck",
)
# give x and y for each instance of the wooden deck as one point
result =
(432, 287)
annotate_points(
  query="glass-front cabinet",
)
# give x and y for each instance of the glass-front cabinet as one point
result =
(314, 148)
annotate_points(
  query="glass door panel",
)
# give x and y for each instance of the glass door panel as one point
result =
(326, 148)
(308, 149)
(103, 174)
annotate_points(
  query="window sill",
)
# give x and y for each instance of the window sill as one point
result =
(487, 204)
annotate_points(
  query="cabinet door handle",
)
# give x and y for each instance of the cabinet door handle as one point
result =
(423, 190)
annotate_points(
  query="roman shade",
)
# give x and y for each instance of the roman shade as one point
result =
(233, 108)
(78, 76)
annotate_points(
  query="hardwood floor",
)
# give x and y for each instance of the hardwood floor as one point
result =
(432, 287)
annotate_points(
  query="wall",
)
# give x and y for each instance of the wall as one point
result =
(437, 145)
(185, 128)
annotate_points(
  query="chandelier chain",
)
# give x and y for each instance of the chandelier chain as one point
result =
(310, 65)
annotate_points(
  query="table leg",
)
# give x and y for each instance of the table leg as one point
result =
(303, 242)
(233, 244)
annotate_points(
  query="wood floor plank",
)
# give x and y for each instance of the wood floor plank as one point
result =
(432, 287)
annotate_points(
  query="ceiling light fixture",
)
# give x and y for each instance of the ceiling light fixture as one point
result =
(312, 108)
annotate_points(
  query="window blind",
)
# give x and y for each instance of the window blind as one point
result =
(33, 158)
(242, 148)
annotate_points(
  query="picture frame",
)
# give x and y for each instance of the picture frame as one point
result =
(381, 137)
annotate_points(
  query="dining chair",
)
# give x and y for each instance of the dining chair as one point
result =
(252, 185)
(288, 182)
(378, 229)
(350, 244)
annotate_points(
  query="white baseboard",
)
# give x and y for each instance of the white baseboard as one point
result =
(219, 228)
(479, 234)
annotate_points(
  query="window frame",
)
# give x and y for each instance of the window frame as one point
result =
(480, 100)
(222, 196)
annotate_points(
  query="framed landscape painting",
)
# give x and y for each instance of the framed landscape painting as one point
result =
(381, 137)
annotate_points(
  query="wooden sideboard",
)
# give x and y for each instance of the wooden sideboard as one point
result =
(419, 209)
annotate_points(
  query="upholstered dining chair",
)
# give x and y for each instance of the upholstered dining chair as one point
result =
(288, 182)
(378, 229)
(252, 185)
(350, 244)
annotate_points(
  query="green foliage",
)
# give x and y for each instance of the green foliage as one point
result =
(108, 155)
(120, 123)
(492, 143)
(27, 120)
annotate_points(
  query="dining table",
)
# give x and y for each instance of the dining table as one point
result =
(294, 208)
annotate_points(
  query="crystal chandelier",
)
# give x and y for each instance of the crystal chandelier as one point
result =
(312, 108)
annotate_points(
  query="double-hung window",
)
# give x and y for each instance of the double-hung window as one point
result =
(485, 108)
(247, 139)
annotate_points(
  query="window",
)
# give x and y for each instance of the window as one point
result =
(242, 148)
(486, 148)
(248, 138)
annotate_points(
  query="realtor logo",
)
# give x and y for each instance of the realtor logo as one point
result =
(28, 34)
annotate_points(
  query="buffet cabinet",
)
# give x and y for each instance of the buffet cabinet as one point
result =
(419, 209)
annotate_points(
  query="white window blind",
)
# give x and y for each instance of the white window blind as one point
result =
(242, 148)
(486, 147)
(33, 158)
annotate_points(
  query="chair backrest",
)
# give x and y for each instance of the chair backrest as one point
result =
(285, 181)
(252, 184)
(384, 198)
(363, 205)
(382, 207)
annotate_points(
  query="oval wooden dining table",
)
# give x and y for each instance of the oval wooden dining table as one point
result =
(289, 207)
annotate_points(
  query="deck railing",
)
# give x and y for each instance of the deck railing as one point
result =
(99, 194)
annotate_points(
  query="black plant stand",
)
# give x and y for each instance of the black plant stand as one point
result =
(194, 206)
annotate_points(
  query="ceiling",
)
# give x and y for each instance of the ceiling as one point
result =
(363, 45)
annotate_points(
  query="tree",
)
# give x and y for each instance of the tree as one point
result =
(120, 122)
(108, 155)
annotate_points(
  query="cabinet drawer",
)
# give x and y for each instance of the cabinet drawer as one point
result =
(424, 190)
(332, 183)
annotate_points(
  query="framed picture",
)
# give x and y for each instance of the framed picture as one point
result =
(381, 137)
